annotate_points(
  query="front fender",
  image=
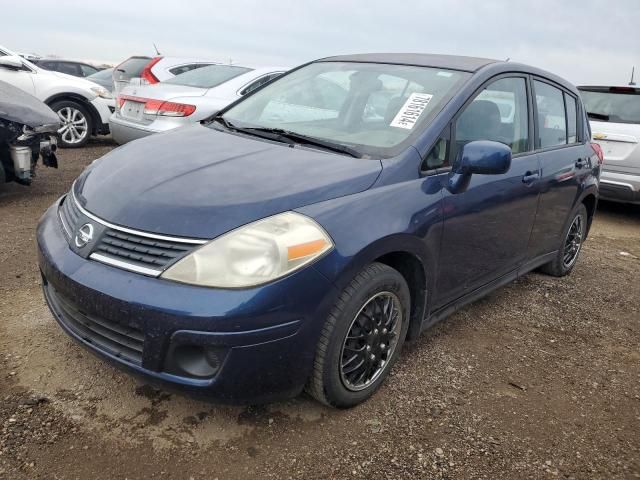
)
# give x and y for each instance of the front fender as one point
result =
(404, 217)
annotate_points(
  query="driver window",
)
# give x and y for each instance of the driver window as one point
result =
(499, 113)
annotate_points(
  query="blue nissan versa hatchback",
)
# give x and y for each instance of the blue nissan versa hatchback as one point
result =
(302, 235)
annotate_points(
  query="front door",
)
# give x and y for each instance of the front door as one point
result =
(487, 226)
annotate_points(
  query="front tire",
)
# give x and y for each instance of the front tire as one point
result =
(572, 239)
(77, 123)
(362, 337)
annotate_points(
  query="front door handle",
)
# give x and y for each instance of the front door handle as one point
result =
(530, 177)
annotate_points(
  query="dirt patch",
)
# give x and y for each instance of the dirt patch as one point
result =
(539, 380)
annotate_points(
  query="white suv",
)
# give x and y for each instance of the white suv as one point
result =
(614, 114)
(84, 107)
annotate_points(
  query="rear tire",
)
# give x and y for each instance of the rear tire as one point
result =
(77, 124)
(568, 251)
(362, 337)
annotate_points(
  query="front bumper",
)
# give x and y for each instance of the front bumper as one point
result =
(104, 107)
(264, 337)
(620, 187)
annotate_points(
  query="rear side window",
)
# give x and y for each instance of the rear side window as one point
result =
(552, 118)
(572, 118)
(68, 68)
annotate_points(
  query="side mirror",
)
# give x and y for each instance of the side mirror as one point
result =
(482, 157)
(11, 61)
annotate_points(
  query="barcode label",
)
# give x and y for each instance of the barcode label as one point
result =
(410, 112)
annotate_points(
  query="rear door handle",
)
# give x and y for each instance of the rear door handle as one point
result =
(530, 177)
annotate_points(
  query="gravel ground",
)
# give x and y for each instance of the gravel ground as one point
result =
(539, 380)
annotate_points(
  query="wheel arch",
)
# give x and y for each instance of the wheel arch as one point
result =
(413, 271)
(75, 97)
(590, 201)
(408, 255)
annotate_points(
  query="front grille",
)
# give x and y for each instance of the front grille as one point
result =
(141, 252)
(119, 340)
(69, 215)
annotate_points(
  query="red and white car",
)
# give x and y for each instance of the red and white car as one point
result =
(142, 70)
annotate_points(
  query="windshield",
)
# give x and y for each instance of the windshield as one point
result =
(208, 77)
(373, 108)
(105, 74)
(615, 104)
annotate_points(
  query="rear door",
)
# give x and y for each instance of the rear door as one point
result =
(487, 226)
(564, 161)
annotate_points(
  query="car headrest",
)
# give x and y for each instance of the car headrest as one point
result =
(480, 121)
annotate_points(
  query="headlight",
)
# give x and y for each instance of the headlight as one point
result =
(102, 92)
(254, 254)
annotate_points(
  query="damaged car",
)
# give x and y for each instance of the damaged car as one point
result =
(27, 132)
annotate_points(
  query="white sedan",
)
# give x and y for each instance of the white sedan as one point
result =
(184, 99)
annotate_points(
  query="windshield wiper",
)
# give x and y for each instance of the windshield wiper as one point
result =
(598, 116)
(304, 140)
(288, 137)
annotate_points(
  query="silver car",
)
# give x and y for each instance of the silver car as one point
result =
(184, 99)
(614, 114)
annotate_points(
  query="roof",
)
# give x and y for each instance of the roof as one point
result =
(451, 62)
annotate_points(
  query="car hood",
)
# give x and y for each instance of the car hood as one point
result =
(163, 91)
(198, 182)
(18, 106)
(70, 80)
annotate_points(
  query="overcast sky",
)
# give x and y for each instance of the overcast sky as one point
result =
(585, 41)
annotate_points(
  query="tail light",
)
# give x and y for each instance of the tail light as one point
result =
(159, 107)
(147, 75)
(598, 149)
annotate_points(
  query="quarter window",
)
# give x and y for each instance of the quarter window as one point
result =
(552, 119)
(499, 113)
(437, 157)
(572, 118)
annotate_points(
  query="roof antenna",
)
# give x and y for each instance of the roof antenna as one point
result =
(632, 83)
(156, 48)
(508, 58)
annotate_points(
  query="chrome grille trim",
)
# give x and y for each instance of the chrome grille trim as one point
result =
(124, 265)
(191, 241)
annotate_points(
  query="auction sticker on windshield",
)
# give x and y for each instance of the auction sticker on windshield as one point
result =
(410, 112)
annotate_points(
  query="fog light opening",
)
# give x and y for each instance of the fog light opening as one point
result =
(197, 361)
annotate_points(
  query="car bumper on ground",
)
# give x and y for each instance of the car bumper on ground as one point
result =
(237, 345)
(620, 187)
